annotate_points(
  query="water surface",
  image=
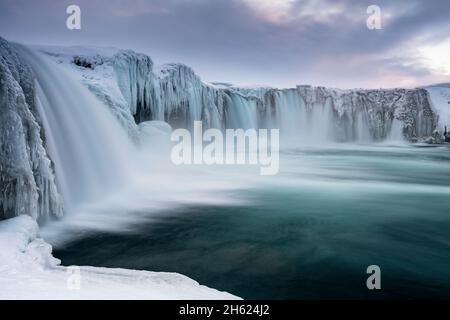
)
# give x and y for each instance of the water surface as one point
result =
(308, 233)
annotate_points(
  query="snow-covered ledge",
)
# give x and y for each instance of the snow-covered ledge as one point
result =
(29, 271)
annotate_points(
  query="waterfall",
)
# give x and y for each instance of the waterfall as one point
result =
(321, 121)
(89, 148)
(292, 117)
(363, 134)
(299, 122)
(243, 113)
(396, 133)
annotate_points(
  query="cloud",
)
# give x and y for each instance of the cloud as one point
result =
(276, 42)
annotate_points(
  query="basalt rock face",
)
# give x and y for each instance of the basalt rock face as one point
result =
(27, 182)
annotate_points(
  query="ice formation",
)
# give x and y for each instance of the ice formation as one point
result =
(27, 182)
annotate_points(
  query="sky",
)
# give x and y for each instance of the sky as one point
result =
(279, 43)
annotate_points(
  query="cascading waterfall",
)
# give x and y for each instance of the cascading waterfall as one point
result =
(396, 134)
(362, 132)
(242, 113)
(321, 121)
(292, 117)
(300, 123)
(304, 119)
(304, 114)
(89, 148)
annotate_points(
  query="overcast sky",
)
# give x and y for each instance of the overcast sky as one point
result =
(257, 42)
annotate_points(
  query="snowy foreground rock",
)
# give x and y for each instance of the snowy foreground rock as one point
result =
(29, 271)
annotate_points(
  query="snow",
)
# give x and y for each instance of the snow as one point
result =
(29, 271)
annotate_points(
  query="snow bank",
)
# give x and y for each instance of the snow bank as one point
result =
(29, 271)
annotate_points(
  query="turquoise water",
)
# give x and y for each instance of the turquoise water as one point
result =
(308, 233)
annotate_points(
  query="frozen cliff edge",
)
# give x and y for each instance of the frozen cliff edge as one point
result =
(29, 271)
(137, 91)
(27, 182)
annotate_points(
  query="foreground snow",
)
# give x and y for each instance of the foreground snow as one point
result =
(29, 271)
